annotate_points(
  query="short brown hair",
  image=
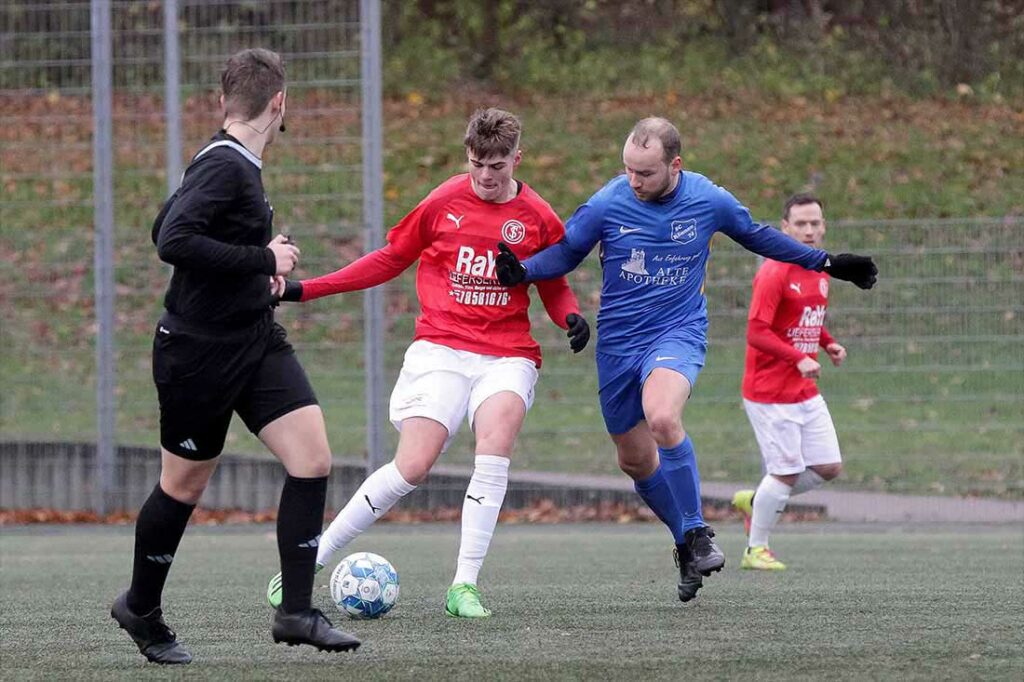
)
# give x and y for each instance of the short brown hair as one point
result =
(492, 132)
(660, 128)
(249, 80)
(800, 200)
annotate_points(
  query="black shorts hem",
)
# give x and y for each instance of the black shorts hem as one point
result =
(190, 455)
(290, 407)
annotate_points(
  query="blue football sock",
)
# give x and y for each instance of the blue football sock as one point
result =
(680, 466)
(655, 491)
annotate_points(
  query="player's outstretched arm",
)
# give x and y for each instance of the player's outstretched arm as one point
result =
(556, 260)
(860, 270)
(368, 271)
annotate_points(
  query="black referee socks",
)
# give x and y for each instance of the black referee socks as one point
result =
(158, 531)
(300, 518)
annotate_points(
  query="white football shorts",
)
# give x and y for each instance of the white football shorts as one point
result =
(794, 436)
(448, 385)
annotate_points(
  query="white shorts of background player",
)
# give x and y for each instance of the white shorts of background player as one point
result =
(794, 436)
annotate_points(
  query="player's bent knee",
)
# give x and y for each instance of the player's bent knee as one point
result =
(313, 466)
(414, 473)
(829, 471)
(666, 428)
(184, 491)
(635, 469)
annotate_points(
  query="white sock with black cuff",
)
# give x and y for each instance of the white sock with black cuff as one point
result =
(378, 493)
(480, 510)
(809, 480)
(769, 503)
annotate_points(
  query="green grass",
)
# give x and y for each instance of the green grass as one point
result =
(569, 602)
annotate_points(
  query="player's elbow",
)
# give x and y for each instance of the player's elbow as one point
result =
(170, 251)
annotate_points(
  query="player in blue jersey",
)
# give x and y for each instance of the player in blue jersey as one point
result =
(655, 225)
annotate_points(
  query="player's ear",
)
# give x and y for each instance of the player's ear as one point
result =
(517, 159)
(677, 164)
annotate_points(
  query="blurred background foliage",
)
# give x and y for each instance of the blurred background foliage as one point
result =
(844, 47)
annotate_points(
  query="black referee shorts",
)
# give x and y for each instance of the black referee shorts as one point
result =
(202, 375)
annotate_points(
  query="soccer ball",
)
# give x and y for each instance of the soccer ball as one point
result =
(364, 585)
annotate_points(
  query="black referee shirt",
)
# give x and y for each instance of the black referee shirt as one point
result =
(214, 230)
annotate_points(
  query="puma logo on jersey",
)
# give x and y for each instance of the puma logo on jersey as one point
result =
(455, 220)
(469, 262)
(795, 286)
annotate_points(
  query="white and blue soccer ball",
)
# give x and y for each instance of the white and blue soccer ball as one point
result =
(364, 585)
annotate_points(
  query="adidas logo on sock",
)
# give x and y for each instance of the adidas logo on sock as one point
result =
(310, 544)
(188, 444)
(160, 558)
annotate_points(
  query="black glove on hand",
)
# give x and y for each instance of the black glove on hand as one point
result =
(508, 268)
(578, 333)
(860, 270)
(292, 291)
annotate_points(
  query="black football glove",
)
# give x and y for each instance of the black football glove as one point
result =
(292, 291)
(860, 270)
(508, 268)
(578, 333)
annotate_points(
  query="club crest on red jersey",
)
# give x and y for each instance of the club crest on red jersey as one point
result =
(823, 287)
(513, 232)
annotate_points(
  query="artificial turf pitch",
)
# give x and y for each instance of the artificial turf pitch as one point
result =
(573, 601)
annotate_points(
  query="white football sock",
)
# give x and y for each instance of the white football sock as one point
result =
(809, 480)
(480, 509)
(372, 500)
(769, 502)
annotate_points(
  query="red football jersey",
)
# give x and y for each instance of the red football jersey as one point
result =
(786, 323)
(455, 235)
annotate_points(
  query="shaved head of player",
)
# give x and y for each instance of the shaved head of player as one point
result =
(651, 159)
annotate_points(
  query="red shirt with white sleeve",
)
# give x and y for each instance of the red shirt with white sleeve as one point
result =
(786, 323)
(454, 234)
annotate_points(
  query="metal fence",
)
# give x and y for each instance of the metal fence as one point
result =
(936, 367)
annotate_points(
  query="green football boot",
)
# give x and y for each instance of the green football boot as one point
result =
(463, 601)
(274, 589)
(761, 559)
(743, 502)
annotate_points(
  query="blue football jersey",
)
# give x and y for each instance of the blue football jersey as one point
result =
(654, 255)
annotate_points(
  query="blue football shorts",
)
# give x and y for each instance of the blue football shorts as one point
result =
(621, 377)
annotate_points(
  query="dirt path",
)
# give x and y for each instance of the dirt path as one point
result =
(843, 505)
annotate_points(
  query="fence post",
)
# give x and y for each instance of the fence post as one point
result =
(373, 227)
(172, 94)
(103, 254)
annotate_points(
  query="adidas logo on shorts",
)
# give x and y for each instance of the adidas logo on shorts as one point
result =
(188, 444)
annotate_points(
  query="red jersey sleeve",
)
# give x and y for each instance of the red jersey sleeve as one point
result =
(763, 304)
(826, 339)
(368, 271)
(556, 295)
(415, 232)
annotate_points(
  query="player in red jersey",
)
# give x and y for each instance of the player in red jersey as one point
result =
(792, 424)
(472, 354)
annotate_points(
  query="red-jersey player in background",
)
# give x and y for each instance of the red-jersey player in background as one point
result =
(472, 354)
(791, 421)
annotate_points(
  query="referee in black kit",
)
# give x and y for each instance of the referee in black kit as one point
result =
(217, 350)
